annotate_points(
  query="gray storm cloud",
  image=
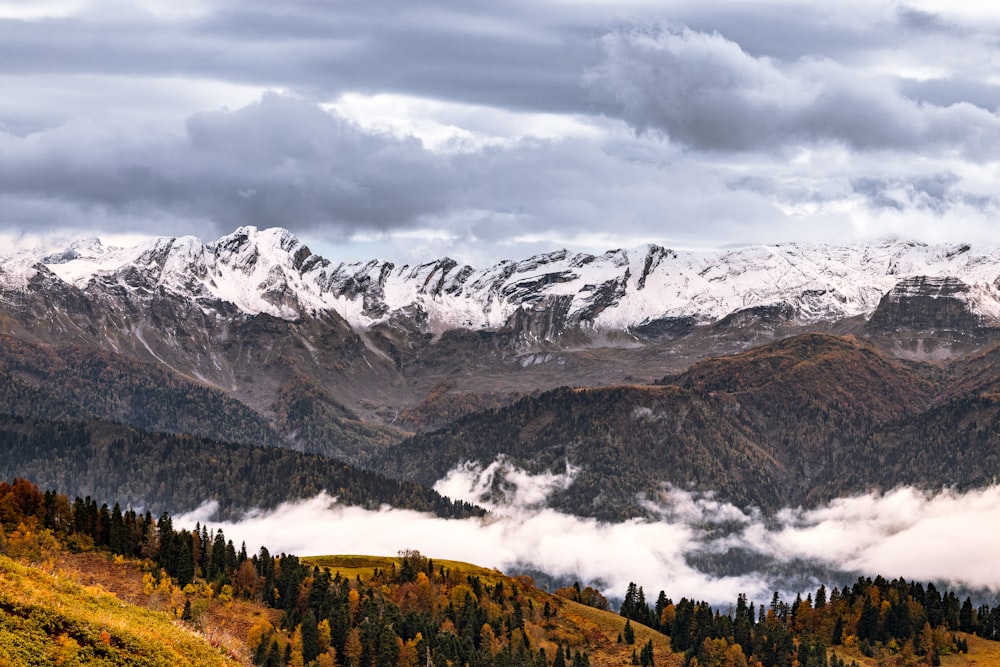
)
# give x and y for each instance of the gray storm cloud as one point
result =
(705, 91)
(284, 161)
(279, 160)
(705, 123)
(905, 532)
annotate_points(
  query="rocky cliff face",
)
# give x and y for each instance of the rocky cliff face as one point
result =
(935, 317)
(928, 304)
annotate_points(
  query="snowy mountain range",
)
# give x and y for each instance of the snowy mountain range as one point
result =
(345, 359)
(270, 271)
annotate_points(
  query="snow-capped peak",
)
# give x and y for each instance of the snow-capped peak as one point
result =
(271, 271)
(89, 248)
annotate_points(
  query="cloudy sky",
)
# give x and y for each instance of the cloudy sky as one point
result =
(486, 130)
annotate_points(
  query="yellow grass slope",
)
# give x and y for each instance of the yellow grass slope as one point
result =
(50, 620)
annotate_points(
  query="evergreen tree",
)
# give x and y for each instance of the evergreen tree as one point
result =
(560, 659)
(805, 651)
(820, 597)
(116, 531)
(967, 617)
(310, 637)
(216, 570)
(680, 634)
(662, 602)
(934, 608)
(631, 601)
(183, 559)
(274, 658)
(628, 633)
(868, 623)
(838, 631)
(646, 657)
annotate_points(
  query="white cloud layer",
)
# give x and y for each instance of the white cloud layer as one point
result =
(927, 537)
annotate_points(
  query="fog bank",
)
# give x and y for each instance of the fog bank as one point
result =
(696, 547)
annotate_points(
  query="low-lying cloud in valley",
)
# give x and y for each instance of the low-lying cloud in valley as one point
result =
(697, 546)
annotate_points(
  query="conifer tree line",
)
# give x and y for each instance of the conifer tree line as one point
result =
(880, 616)
(408, 616)
(417, 613)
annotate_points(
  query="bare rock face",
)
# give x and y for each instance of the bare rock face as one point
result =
(931, 305)
(925, 317)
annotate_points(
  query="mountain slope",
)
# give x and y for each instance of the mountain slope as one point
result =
(625, 440)
(48, 619)
(811, 401)
(176, 473)
(787, 423)
(156, 304)
(258, 315)
(78, 382)
(73, 382)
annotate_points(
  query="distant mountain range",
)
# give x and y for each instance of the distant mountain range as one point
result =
(838, 356)
(622, 291)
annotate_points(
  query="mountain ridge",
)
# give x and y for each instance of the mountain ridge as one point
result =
(271, 272)
(258, 317)
(798, 421)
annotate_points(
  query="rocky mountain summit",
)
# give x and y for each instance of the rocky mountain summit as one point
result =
(643, 292)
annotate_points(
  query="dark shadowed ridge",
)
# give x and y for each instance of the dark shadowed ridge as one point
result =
(802, 420)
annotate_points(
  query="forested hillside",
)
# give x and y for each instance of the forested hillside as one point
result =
(802, 420)
(350, 611)
(169, 472)
(73, 382)
(414, 610)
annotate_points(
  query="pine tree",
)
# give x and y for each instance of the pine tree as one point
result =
(646, 657)
(820, 597)
(838, 631)
(388, 648)
(217, 560)
(868, 623)
(966, 617)
(560, 659)
(680, 633)
(310, 637)
(183, 559)
(116, 531)
(274, 658)
(628, 633)
(631, 601)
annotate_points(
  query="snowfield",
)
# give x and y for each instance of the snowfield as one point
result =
(270, 271)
